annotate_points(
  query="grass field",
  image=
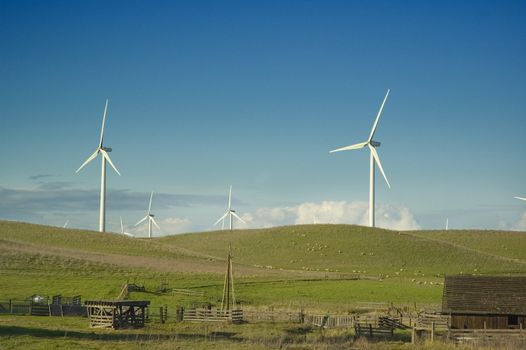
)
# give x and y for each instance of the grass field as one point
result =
(322, 268)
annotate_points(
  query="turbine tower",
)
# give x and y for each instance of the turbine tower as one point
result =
(231, 213)
(149, 216)
(372, 145)
(105, 157)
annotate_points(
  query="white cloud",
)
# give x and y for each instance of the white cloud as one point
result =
(175, 225)
(168, 226)
(521, 224)
(333, 212)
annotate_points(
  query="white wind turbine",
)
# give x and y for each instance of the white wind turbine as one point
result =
(230, 213)
(372, 145)
(149, 216)
(105, 157)
(124, 232)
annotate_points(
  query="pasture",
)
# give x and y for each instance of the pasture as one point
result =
(315, 268)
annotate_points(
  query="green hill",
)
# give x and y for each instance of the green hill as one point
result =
(366, 251)
(314, 265)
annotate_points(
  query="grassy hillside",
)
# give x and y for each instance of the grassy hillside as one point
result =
(296, 266)
(366, 251)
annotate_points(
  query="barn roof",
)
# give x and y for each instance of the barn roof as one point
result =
(484, 295)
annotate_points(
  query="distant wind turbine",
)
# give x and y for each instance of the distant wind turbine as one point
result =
(149, 216)
(372, 145)
(230, 213)
(66, 224)
(447, 224)
(521, 198)
(105, 157)
(124, 232)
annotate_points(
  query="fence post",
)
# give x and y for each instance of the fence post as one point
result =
(10, 306)
(413, 335)
(432, 332)
(370, 330)
(179, 314)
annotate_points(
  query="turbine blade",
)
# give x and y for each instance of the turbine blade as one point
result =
(221, 218)
(66, 224)
(93, 156)
(378, 117)
(348, 148)
(103, 121)
(238, 217)
(106, 155)
(128, 234)
(155, 223)
(142, 220)
(521, 198)
(150, 206)
(377, 159)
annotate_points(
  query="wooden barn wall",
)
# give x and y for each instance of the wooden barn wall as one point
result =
(477, 321)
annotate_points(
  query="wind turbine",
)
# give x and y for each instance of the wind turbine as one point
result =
(66, 224)
(372, 145)
(122, 230)
(230, 213)
(149, 216)
(105, 157)
(447, 224)
(521, 198)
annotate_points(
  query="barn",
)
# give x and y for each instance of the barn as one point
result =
(492, 302)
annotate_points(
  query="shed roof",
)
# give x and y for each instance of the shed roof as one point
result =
(499, 295)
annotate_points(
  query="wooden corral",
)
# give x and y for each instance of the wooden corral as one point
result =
(485, 302)
(116, 314)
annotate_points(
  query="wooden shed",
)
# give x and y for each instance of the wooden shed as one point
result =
(492, 302)
(117, 313)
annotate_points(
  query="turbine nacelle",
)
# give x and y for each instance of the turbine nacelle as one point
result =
(107, 149)
(375, 143)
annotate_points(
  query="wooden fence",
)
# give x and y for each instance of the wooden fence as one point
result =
(213, 315)
(328, 321)
(18, 307)
(257, 315)
(372, 332)
(427, 321)
(480, 336)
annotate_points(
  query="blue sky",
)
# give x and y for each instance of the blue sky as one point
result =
(204, 94)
